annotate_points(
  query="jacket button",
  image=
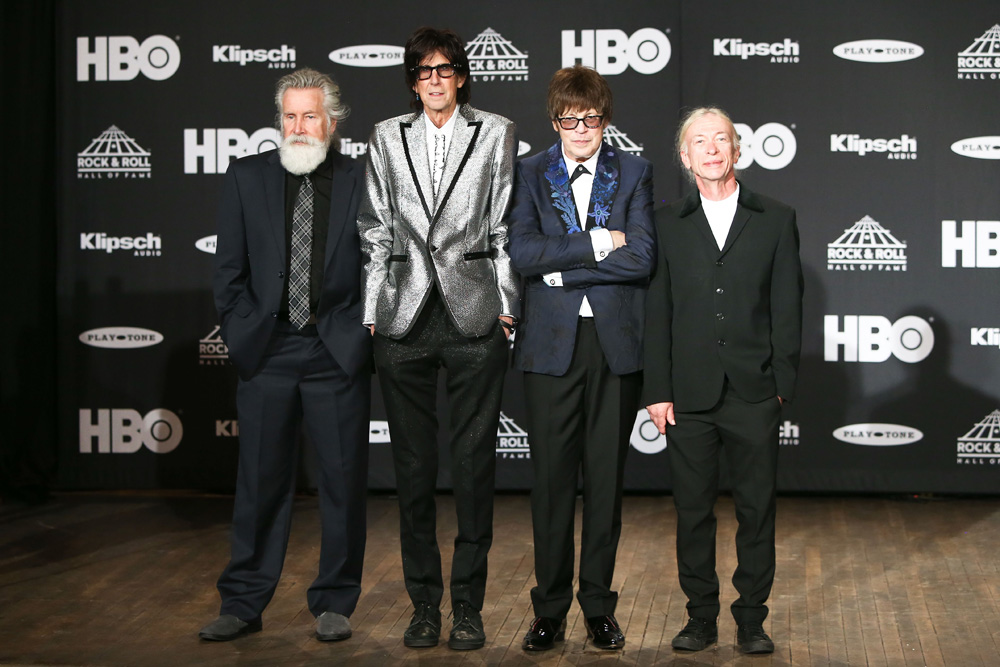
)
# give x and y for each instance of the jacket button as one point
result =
(719, 263)
(274, 313)
(434, 248)
(720, 316)
(721, 342)
(719, 290)
(281, 274)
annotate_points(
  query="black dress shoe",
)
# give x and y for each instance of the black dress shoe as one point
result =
(604, 632)
(425, 627)
(544, 633)
(467, 628)
(227, 627)
(697, 634)
(752, 639)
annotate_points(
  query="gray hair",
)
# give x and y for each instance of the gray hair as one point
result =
(690, 118)
(309, 78)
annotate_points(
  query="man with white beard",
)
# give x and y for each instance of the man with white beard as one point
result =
(287, 289)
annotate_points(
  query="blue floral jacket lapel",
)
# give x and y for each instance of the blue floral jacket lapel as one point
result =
(602, 195)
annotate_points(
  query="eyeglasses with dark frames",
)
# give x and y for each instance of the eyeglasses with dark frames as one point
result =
(444, 70)
(589, 122)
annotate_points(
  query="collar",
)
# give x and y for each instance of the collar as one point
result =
(590, 163)
(445, 129)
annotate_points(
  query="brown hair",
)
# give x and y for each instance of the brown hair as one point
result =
(581, 88)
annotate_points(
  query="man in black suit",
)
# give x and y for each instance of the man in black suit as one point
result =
(288, 291)
(723, 330)
(581, 234)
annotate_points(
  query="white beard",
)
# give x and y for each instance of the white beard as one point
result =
(301, 155)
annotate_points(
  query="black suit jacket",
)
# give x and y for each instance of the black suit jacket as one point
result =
(250, 263)
(734, 313)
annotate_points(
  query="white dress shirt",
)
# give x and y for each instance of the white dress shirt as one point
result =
(600, 238)
(433, 131)
(720, 215)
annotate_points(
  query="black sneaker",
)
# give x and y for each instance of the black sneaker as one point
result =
(697, 634)
(467, 628)
(425, 627)
(752, 639)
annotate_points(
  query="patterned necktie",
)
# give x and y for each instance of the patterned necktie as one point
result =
(301, 264)
(580, 171)
(437, 169)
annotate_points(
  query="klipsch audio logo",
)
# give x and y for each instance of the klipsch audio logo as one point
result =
(978, 245)
(981, 445)
(212, 350)
(903, 148)
(149, 245)
(218, 146)
(778, 52)
(981, 60)
(368, 55)
(981, 148)
(512, 440)
(126, 431)
(772, 145)
(620, 140)
(123, 58)
(493, 58)
(788, 433)
(283, 58)
(113, 154)
(878, 51)
(866, 246)
(989, 336)
(873, 338)
(227, 428)
(646, 51)
(878, 435)
(354, 149)
(646, 438)
(120, 338)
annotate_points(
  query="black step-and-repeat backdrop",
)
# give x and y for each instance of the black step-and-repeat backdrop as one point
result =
(879, 122)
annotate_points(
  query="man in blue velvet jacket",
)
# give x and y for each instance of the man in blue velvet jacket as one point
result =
(581, 235)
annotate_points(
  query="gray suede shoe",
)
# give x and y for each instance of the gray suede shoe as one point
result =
(228, 627)
(332, 627)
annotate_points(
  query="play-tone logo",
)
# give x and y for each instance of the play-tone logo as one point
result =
(123, 58)
(523, 148)
(645, 437)
(903, 148)
(873, 338)
(212, 350)
(512, 440)
(620, 140)
(878, 435)
(989, 336)
(866, 246)
(646, 51)
(978, 244)
(207, 244)
(878, 51)
(113, 154)
(493, 58)
(126, 431)
(219, 146)
(378, 432)
(368, 55)
(981, 60)
(121, 338)
(772, 146)
(283, 58)
(778, 52)
(981, 445)
(981, 148)
(149, 245)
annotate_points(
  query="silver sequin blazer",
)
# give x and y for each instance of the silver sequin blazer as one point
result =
(410, 240)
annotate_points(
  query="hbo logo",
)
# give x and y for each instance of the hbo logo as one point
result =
(873, 338)
(772, 146)
(647, 51)
(126, 431)
(219, 146)
(122, 58)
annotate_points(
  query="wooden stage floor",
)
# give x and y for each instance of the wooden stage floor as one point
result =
(128, 579)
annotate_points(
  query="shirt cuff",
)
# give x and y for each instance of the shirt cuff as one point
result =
(553, 279)
(603, 244)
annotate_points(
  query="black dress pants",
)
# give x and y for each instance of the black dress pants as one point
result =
(408, 374)
(582, 419)
(748, 433)
(298, 382)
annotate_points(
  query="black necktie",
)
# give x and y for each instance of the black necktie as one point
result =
(301, 259)
(580, 171)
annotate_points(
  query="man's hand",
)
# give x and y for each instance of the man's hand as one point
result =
(662, 414)
(508, 320)
(371, 327)
(618, 238)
